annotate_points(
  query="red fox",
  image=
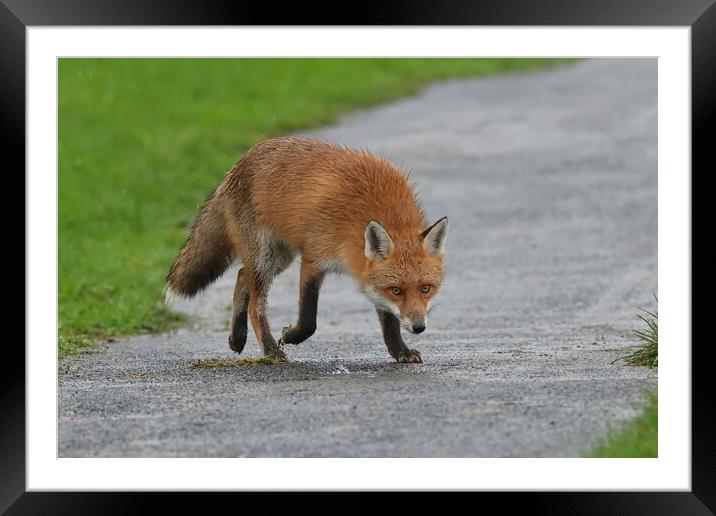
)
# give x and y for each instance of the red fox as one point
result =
(344, 211)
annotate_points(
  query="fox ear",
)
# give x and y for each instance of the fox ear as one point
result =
(378, 243)
(434, 237)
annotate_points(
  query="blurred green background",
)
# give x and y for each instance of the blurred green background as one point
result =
(142, 142)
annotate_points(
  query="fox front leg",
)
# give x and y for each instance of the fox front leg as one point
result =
(311, 280)
(391, 335)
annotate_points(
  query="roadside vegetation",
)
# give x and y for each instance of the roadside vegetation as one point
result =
(638, 438)
(143, 141)
(647, 354)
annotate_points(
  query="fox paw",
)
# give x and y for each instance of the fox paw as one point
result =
(296, 335)
(277, 355)
(237, 344)
(409, 356)
(285, 334)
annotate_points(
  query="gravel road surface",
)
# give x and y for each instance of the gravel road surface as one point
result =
(549, 179)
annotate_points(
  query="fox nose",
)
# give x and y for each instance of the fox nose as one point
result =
(418, 328)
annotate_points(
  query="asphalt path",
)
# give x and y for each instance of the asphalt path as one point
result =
(549, 180)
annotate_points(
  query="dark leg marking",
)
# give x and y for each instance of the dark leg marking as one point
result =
(307, 311)
(239, 314)
(393, 340)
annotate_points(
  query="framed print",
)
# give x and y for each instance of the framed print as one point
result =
(196, 175)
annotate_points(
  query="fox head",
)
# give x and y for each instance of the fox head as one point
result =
(404, 271)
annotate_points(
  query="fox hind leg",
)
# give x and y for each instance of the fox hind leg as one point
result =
(239, 313)
(275, 258)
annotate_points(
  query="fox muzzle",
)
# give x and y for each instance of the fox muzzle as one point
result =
(415, 324)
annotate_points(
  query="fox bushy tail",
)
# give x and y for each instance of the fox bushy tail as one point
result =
(206, 254)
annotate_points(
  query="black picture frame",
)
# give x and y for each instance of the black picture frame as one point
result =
(17, 15)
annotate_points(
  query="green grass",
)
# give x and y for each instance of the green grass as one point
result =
(638, 438)
(69, 344)
(143, 141)
(647, 353)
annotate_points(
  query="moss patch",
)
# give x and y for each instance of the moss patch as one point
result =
(234, 362)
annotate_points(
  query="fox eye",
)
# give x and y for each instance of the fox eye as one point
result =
(396, 291)
(425, 289)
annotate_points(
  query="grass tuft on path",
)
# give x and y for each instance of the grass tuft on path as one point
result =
(647, 353)
(143, 141)
(638, 438)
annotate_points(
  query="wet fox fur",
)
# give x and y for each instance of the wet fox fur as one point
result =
(344, 211)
